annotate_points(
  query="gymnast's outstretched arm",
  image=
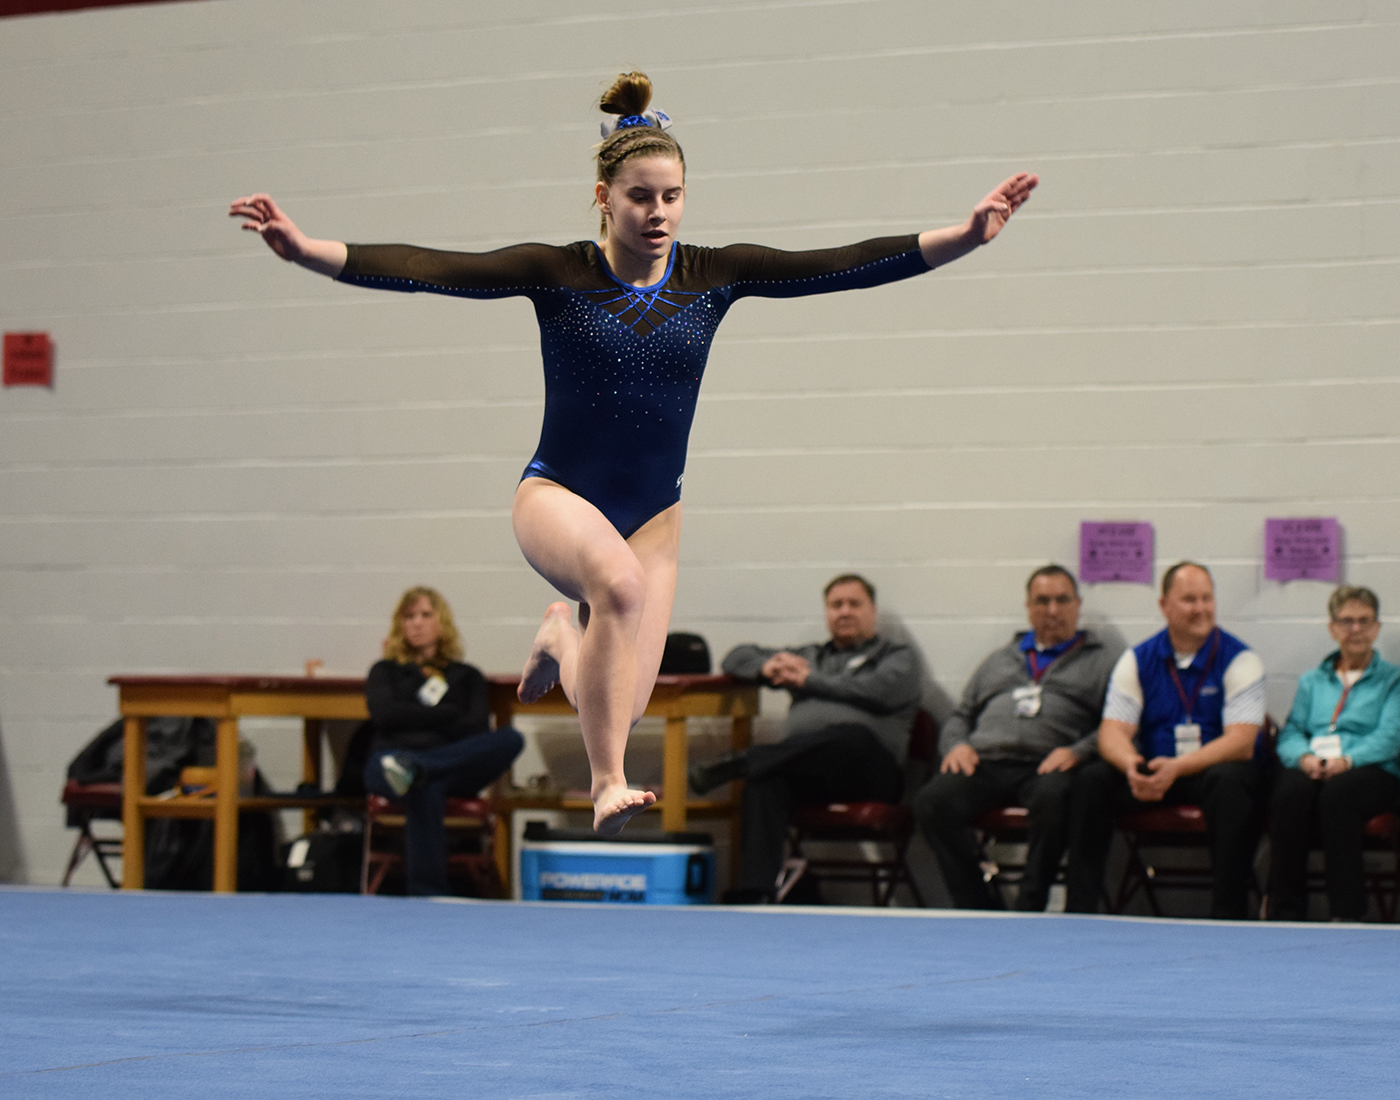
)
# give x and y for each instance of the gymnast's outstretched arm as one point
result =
(941, 246)
(282, 236)
(754, 270)
(501, 273)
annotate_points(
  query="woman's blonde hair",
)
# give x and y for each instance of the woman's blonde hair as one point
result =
(449, 647)
(629, 95)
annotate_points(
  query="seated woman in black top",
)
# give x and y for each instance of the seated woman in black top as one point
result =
(432, 734)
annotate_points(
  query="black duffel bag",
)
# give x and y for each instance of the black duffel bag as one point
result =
(685, 654)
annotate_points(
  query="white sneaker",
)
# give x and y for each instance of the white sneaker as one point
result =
(399, 774)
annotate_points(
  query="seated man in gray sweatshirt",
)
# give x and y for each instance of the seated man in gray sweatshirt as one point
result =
(853, 702)
(1028, 718)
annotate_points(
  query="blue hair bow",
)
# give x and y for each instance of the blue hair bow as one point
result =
(660, 119)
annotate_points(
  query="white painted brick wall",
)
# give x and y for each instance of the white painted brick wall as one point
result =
(1193, 323)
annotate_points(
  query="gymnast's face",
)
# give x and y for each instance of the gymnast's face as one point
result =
(422, 628)
(643, 206)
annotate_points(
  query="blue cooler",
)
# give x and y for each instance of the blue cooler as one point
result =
(631, 869)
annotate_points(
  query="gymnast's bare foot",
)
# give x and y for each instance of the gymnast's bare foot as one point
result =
(542, 667)
(614, 805)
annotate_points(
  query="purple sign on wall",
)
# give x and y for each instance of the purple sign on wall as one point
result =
(1115, 552)
(1302, 550)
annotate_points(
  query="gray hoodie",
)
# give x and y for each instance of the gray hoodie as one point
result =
(875, 684)
(1072, 694)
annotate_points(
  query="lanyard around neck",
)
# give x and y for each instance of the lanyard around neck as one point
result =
(1190, 705)
(1037, 672)
(1346, 690)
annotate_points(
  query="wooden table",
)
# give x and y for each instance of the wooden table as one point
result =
(226, 699)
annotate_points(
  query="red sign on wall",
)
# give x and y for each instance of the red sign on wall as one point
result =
(28, 359)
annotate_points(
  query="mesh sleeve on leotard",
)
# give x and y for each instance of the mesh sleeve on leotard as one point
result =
(753, 270)
(518, 269)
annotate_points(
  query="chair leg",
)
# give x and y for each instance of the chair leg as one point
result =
(101, 850)
(381, 868)
(1387, 886)
(1149, 887)
(375, 865)
(81, 847)
(908, 876)
(792, 871)
(100, 847)
(1136, 876)
(883, 876)
(893, 873)
(364, 858)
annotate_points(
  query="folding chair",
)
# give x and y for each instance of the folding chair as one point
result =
(473, 817)
(89, 802)
(1001, 827)
(882, 829)
(1160, 827)
(1382, 834)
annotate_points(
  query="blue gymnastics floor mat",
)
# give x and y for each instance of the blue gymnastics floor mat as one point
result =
(154, 995)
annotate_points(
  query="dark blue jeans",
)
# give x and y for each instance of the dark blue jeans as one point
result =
(458, 769)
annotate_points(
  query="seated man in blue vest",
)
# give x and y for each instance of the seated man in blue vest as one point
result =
(1179, 725)
(1027, 721)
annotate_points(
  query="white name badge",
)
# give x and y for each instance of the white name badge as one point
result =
(1027, 700)
(1326, 746)
(432, 691)
(1188, 738)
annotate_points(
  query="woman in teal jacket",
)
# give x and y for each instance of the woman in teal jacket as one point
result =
(1341, 763)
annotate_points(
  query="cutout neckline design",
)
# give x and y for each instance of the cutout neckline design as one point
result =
(641, 300)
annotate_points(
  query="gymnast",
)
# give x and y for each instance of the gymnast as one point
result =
(625, 330)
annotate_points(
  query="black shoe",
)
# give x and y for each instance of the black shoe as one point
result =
(722, 769)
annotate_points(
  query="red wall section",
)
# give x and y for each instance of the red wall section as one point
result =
(33, 7)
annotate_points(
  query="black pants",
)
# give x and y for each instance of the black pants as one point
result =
(950, 802)
(842, 763)
(1338, 809)
(458, 769)
(1229, 793)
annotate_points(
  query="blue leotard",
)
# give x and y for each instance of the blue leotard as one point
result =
(622, 364)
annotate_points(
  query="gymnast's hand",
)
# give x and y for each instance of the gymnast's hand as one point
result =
(265, 217)
(941, 246)
(993, 212)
